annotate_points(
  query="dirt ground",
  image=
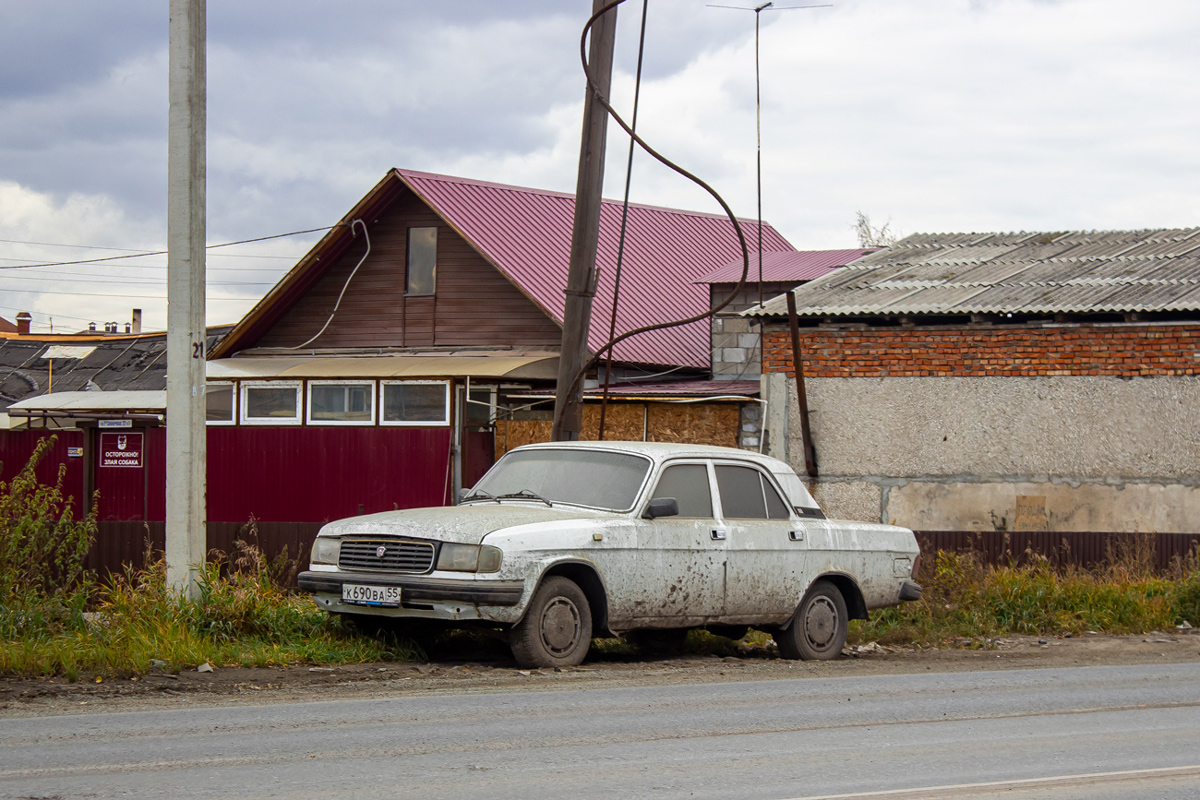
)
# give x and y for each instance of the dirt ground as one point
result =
(471, 666)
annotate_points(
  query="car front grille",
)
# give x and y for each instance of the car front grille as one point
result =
(386, 555)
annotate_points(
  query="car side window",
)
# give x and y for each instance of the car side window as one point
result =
(741, 493)
(688, 484)
(776, 508)
(747, 494)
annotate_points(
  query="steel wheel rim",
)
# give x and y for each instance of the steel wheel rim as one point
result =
(820, 623)
(560, 626)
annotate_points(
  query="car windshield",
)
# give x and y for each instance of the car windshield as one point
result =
(595, 478)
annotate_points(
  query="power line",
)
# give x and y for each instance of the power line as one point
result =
(156, 267)
(163, 252)
(119, 279)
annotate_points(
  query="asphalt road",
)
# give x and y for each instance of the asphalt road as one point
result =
(1094, 732)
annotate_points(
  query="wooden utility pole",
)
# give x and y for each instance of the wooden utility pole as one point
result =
(810, 456)
(581, 279)
(186, 167)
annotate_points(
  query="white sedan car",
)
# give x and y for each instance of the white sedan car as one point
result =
(560, 542)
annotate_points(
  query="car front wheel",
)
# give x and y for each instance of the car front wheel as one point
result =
(818, 631)
(556, 630)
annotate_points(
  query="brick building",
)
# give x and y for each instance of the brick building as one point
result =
(1015, 381)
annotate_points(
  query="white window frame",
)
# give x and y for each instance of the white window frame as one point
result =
(246, 386)
(444, 423)
(371, 393)
(233, 418)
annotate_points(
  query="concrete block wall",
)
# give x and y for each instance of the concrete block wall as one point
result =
(735, 349)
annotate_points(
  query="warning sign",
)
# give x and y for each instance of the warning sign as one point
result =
(120, 449)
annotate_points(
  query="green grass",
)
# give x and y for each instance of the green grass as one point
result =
(965, 599)
(241, 618)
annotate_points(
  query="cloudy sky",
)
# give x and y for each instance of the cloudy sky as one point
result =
(933, 115)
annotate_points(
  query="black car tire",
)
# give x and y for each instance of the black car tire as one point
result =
(557, 628)
(818, 630)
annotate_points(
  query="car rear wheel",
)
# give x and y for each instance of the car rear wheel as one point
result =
(818, 630)
(556, 630)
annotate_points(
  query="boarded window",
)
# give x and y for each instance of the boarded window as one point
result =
(270, 403)
(688, 484)
(219, 403)
(422, 261)
(415, 403)
(341, 403)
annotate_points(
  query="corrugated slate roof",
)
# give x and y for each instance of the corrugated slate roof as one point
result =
(788, 265)
(1017, 273)
(526, 234)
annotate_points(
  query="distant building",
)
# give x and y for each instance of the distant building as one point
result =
(1021, 381)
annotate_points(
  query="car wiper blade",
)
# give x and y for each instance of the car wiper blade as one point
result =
(481, 494)
(526, 493)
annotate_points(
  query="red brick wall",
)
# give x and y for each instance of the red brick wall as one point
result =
(1124, 350)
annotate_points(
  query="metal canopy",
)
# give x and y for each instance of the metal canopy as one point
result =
(384, 366)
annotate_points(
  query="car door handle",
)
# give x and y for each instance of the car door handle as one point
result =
(718, 534)
(796, 536)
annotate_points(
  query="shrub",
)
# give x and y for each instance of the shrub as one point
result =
(43, 579)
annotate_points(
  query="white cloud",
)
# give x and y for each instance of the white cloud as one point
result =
(936, 114)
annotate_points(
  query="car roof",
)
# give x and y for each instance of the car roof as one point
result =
(661, 451)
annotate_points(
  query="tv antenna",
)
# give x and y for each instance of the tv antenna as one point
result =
(758, 112)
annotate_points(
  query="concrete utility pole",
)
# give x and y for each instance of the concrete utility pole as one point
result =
(186, 537)
(581, 280)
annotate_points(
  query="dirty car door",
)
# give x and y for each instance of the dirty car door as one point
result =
(680, 573)
(766, 554)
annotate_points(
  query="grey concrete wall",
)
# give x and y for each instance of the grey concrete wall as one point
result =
(954, 453)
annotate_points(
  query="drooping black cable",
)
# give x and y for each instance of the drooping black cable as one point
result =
(164, 252)
(607, 347)
(612, 325)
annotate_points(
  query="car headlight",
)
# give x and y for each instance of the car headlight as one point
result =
(469, 558)
(325, 550)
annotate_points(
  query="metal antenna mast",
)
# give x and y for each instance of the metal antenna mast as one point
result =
(758, 113)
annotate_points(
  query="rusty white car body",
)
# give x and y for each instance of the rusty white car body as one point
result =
(562, 541)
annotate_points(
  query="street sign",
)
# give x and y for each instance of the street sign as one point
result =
(121, 450)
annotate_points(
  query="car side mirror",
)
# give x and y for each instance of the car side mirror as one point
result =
(662, 507)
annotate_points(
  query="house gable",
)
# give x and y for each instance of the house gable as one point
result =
(473, 303)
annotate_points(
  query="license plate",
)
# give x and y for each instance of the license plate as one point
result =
(370, 595)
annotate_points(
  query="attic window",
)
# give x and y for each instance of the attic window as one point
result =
(422, 261)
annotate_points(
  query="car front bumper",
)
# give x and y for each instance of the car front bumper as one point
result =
(416, 590)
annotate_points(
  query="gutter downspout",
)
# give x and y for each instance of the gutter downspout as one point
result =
(810, 457)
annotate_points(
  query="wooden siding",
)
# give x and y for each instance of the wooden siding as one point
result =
(474, 303)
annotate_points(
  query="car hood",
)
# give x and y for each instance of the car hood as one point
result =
(467, 524)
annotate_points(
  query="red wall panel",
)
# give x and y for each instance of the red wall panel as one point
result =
(133, 493)
(17, 446)
(315, 474)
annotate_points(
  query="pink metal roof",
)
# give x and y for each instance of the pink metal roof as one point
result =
(789, 265)
(526, 234)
